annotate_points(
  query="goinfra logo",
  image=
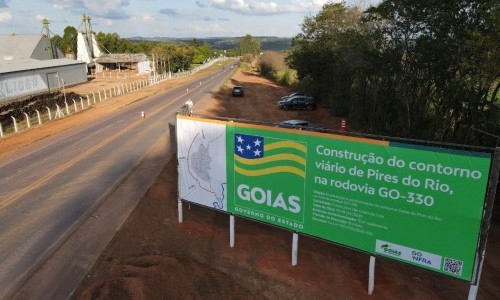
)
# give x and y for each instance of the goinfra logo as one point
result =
(386, 248)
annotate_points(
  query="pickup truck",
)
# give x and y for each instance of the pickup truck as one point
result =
(297, 102)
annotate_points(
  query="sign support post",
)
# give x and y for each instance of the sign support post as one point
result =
(371, 274)
(231, 231)
(179, 209)
(295, 248)
(487, 212)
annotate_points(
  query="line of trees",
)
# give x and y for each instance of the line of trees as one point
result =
(171, 56)
(425, 69)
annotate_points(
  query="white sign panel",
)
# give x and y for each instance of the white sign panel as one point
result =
(202, 162)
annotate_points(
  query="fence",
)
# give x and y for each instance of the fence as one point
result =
(85, 101)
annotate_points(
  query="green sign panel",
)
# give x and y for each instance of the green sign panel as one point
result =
(418, 205)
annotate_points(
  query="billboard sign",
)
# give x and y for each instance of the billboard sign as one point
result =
(418, 205)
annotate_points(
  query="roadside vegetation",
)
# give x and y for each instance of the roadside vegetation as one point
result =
(272, 64)
(414, 69)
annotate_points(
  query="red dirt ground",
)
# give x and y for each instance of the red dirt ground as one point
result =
(155, 257)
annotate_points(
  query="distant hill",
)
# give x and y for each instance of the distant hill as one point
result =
(267, 42)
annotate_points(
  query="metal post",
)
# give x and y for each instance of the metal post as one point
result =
(93, 95)
(371, 275)
(231, 231)
(59, 113)
(295, 248)
(485, 224)
(38, 116)
(1, 131)
(100, 99)
(67, 107)
(15, 123)
(27, 120)
(179, 209)
(50, 114)
(64, 90)
(81, 102)
(74, 104)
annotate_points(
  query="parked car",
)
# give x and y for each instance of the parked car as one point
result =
(301, 124)
(291, 95)
(238, 91)
(297, 102)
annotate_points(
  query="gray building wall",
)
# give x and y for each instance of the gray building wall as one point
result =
(39, 80)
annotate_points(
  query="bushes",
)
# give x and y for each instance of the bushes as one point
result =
(272, 65)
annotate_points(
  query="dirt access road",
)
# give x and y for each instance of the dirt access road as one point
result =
(155, 257)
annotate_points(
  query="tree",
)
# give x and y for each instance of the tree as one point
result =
(249, 45)
(418, 69)
(174, 57)
(447, 63)
(68, 42)
(327, 55)
(203, 53)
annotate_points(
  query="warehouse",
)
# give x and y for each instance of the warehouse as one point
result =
(30, 64)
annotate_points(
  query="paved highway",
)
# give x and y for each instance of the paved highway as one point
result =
(49, 188)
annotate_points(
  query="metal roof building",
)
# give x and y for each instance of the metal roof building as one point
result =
(27, 66)
(131, 61)
(19, 46)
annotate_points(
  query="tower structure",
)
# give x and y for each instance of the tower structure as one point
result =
(87, 47)
(51, 50)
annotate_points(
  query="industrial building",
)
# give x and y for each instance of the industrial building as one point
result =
(30, 64)
(97, 61)
(129, 61)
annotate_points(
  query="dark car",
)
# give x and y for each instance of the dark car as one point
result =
(238, 91)
(301, 124)
(297, 102)
(292, 95)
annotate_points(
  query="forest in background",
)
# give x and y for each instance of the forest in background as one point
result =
(424, 70)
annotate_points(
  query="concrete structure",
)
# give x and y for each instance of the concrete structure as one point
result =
(26, 66)
(130, 61)
(87, 49)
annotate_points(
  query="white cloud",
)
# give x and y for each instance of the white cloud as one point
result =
(110, 9)
(148, 18)
(39, 17)
(107, 22)
(5, 16)
(255, 7)
(210, 29)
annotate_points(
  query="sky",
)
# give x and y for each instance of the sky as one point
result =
(163, 18)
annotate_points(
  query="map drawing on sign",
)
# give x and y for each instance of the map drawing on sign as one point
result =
(202, 163)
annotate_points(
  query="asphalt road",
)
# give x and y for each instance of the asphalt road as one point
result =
(52, 187)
